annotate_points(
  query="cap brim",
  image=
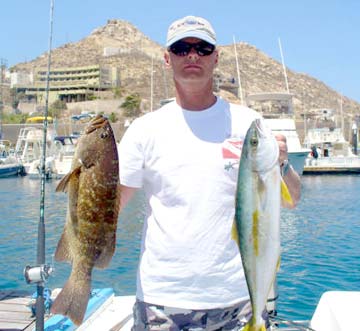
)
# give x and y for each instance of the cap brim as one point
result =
(194, 34)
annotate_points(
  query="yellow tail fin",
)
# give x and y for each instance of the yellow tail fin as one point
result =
(251, 326)
(285, 194)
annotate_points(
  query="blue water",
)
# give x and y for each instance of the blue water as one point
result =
(320, 241)
(320, 244)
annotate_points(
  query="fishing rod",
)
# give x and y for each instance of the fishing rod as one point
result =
(39, 274)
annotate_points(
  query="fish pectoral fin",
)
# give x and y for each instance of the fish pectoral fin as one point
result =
(107, 253)
(278, 264)
(235, 233)
(285, 194)
(62, 250)
(63, 184)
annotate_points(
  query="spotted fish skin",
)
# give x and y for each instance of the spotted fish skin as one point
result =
(257, 217)
(89, 235)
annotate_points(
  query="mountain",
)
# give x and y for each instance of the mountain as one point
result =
(135, 54)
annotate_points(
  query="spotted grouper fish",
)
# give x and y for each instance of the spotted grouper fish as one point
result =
(88, 239)
(257, 216)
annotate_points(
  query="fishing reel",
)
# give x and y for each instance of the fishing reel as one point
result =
(37, 274)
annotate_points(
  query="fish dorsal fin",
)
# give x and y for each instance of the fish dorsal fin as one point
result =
(62, 186)
(285, 194)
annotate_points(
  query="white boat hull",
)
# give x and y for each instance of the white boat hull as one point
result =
(34, 168)
(297, 160)
(296, 153)
(115, 314)
(337, 311)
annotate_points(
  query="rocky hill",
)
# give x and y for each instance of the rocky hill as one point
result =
(121, 44)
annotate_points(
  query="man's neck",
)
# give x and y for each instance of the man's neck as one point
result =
(191, 98)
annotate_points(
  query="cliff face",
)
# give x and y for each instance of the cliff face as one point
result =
(121, 44)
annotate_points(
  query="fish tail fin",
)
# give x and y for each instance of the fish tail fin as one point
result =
(73, 299)
(253, 326)
(285, 194)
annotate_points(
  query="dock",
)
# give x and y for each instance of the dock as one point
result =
(332, 165)
(15, 314)
(328, 170)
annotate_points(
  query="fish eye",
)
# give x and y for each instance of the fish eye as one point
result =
(104, 135)
(254, 141)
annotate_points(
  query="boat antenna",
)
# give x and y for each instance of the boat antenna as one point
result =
(341, 115)
(41, 272)
(2, 72)
(284, 68)
(240, 94)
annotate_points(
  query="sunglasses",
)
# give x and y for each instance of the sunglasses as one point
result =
(183, 48)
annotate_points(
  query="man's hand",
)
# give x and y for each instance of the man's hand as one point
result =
(283, 149)
(291, 178)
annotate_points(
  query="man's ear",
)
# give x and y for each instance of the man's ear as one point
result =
(167, 59)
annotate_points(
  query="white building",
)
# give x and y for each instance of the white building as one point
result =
(21, 79)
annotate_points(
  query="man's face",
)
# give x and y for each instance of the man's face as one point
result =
(194, 66)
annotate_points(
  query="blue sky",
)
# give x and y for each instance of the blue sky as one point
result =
(319, 37)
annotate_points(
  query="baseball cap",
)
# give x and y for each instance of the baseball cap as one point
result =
(190, 26)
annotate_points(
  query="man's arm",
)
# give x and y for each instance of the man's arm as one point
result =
(290, 176)
(126, 193)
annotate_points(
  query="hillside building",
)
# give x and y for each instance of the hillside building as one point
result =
(68, 84)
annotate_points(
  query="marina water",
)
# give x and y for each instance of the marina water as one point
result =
(320, 241)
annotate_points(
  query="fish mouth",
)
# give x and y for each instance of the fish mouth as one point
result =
(96, 123)
(260, 129)
(266, 145)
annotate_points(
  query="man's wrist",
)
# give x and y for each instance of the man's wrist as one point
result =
(285, 167)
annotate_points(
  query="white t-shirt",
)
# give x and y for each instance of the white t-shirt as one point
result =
(187, 164)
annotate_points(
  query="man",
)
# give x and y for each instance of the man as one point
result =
(185, 157)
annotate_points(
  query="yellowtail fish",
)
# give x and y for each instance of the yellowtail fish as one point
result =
(89, 235)
(257, 217)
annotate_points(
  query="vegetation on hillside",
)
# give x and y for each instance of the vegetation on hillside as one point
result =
(14, 118)
(55, 110)
(131, 105)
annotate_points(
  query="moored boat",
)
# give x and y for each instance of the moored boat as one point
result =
(331, 153)
(28, 150)
(65, 146)
(10, 167)
(277, 110)
(9, 163)
(106, 311)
